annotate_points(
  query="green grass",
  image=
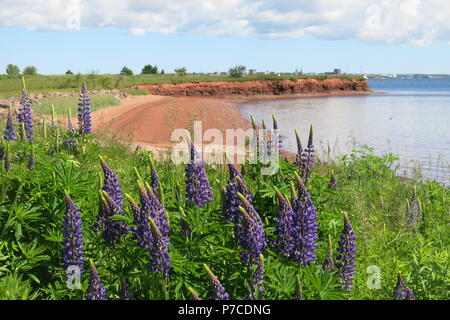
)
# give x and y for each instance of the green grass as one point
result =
(61, 104)
(11, 85)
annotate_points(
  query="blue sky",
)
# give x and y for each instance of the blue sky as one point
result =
(207, 36)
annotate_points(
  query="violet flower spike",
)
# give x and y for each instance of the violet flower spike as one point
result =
(328, 264)
(84, 111)
(198, 189)
(218, 292)
(111, 183)
(160, 258)
(345, 260)
(73, 248)
(113, 230)
(401, 291)
(284, 226)
(298, 156)
(232, 202)
(308, 157)
(257, 280)
(10, 133)
(25, 116)
(96, 289)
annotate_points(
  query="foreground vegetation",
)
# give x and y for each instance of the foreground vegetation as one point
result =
(62, 104)
(10, 85)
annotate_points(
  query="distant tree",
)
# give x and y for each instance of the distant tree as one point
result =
(126, 71)
(149, 69)
(12, 70)
(69, 72)
(30, 70)
(181, 71)
(162, 71)
(237, 71)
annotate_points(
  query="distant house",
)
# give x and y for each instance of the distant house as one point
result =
(335, 72)
(251, 71)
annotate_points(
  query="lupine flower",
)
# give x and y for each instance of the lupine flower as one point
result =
(328, 265)
(257, 280)
(84, 111)
(414, 214)
(70, 128)
(111, 183)
(332, 184)
(140, 228)
(95, 290)
(155, 183)
(198, 189)
(125, 293)
(250, 233)
(72, 251)
(235, 184)
(194, 294)
(112, 230)
(160, 258)
(304, 231)
(157, 212)
(218, 292)
(25, 117)
(401, 292)
(10, 133)
(70, 143)
(284, 226)
(308, 157)
(32, 161)
(298, 156)
(345, 260)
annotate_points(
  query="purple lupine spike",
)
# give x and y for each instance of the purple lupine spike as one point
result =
(96, 290)
(72, 251)
(305, 226)
(84, 111)
(70, 143)
(235, 184)
(218, 292)
(328, 264)
(25, 117)
(112, 230)
(155, 183)
(125, 292)
(414, 214)
(32, 161)
(257, 281)
(284, 225)
(10, 133)
(250, 233)
(111, 183)
(140, 228)
(160, 258)
(198, 189)
(102, 215)
(298, 156)
(345, 260)
(194, 294)
(401, 291)
(332, 184)
(308, 157)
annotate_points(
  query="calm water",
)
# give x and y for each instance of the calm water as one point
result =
(412, 121)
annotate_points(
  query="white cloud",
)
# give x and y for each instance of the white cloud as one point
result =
(413, 22)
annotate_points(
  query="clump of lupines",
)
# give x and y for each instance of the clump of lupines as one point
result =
(10, 133)
(111, 183)
(284, 226)
(160, 258)
(25, 117)
(304, 231)
(250, 233)
(401, 291)
(73, 249)
(232, 202)
(32, 161)
(307, 158)
(345, 260)
(96, 290)
(332, 184)
(198, 189)
(256, 283)
(328, 264)
(84, 111)
(111, 230)
(218, 291)
(414, 214)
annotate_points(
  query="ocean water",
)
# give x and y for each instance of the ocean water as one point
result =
(411, 120)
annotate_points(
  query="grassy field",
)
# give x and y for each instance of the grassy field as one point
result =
(62, 104)
(10, 85)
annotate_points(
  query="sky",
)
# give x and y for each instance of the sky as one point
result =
(358, 36)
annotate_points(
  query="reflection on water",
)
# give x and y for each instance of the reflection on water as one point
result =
(414, 125)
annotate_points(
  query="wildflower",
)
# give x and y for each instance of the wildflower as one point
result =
(401, 292)
(10, 133)
(160, 259)
(284, 242)
(250, 233)
(414, 214)
(125, 293)
(304, 229)
(70, 143)
(25, 117)
(154, 209)
(308, 157)
(347, 254)
(72, 251)
(155, 183)
(194, 294)
(112, 230)
(95, 290)
(218, 292)
(198, 189)
(111, 183)
(32, 161)
(84, 111)
(332, 184)
(328, 265)
(70, 128)
(235, 184)
(256, 282)
(298, 156)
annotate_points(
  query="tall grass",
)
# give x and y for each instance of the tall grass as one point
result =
(62, 104)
